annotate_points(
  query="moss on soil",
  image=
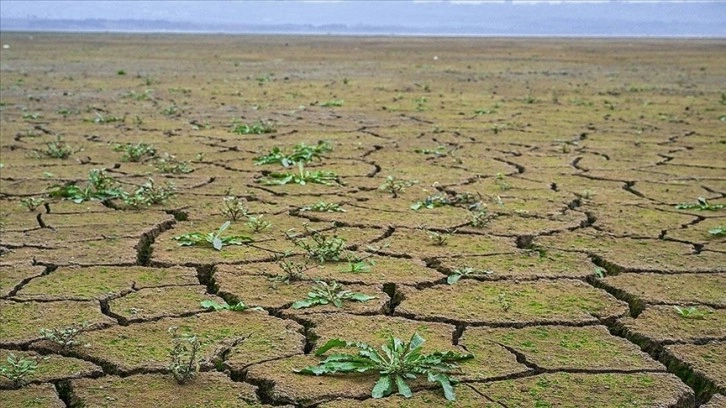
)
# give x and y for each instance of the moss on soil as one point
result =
(663, 325)
(41, 396)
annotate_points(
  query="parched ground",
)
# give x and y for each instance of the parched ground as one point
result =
(561, 164)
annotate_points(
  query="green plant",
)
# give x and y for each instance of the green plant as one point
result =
(238, 307)
(719, 231)
(100, 186)
(149, 194)
(500, 181)
(324, 293)
(701, 204)
(171, 110)
(322, 206)
(31, 203)
(480, 217)
(134, 152)
(57, 149)
(600, 272)
(323, 248)
(234, 208)
(692, 313)
(438, 238)
(168, 163)
(120, 72)
(302, 177)
(65, 337)
(395, 185)
(213, 239)
(438, 151)
(420, 103)
(301, 153)
(457, 274)
(256, 223)
(332, 103)
(294, 271)
(257, 128)
(361, 266)
(18, 369)
(184, 364)
(503, 301)
(398, 362)
(100, 119)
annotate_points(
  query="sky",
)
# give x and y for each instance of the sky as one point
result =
(587, 17)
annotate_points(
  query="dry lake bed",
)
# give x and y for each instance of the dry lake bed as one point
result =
(555, 208)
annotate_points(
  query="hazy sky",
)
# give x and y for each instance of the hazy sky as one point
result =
(676, 16)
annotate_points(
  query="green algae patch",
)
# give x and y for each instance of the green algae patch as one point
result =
(20, 322)
(42, 396)
(52, 368)
(523, 264)
(466, 397)
(676, 289)
(637, 255)
(490, 360)
(207, 389)
(286, 386)
(703, 367)
(101, 282)
(384, 270)
(420, 244)
(252, 337)
(582, 390)
(664, 325)
(154, 303)
(562, 301)
(261, 291)
(11, 277)
(590, 348)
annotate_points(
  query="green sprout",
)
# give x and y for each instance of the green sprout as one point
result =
(324, 293)
(213, 239)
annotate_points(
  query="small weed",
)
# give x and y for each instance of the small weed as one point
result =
(121, 72)
(438, 151)
(149, 194)
(324, 293)
(171, 110)
(701, 204)
(719, 231)
(256, 128)
(503, 301)
(256, 223)
(322, 206)
(184, 364)
(481, 217)
(332, 103)
(421, 103)
(65, 337)
(585, 194)
(323, 248)
(213, 239)
(301, 153)
(294, 271)
(31, 203)
(302, 177)
(438, 238)
(138, 96)
(439, 200)
(32, 116)
(169, 164)
(600, 272)
(485, 111)
(465, 272)
(395, 185)
(234, 208)
(399, 361)
(57, 149)
(238, 307)
(500, 181)
(692, 313)
(100, 119)
(134, 152)
(18, 369)
(100, 186)
(358, 266)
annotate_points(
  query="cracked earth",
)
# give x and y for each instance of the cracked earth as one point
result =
(579, 150)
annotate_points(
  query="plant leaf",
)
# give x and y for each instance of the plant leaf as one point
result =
(403, 388)
(359, 297)
(453, 278)
(443, 379)
(301, 304)
(217, 243)
(383, 387)
(210, 304)
(332, 343)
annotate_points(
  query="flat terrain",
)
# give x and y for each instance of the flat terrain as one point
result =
(569, 201)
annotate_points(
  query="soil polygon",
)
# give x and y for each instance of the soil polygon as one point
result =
(11, 277)
(706, 361)
(596, 390)
(43, 395)
(73, 283)
(664, 325)
(592, 349)
(420, 244)
(154, 303)
(252, 337)
(20, 322)
(52, 367)
(675, 289)
(466, 397)
(513, 304)
(207, 389)
(717, 401)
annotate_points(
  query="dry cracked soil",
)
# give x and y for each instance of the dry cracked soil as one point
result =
(569, 235)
